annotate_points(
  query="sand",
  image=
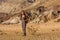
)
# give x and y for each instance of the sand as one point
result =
(41, 31)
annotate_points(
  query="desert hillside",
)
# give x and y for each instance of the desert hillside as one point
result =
(43, 22)
(36, 9)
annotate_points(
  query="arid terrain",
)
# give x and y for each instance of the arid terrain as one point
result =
(44, 31)
(43, 23)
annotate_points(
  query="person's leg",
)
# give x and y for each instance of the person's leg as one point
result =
(24, 27)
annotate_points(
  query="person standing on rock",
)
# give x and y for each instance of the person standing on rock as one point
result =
(24, 21)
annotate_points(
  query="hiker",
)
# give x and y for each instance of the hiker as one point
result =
(24, 21)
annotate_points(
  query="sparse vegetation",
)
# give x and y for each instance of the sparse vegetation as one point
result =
(44, 19)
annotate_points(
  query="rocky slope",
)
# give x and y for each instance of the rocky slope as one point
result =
(39, 10)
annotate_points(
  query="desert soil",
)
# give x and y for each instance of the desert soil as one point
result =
(41, 31)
